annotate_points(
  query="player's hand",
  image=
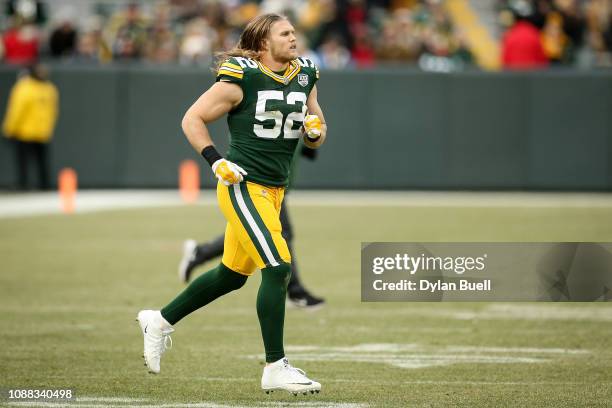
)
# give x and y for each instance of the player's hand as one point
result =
(227, 172)
(312, 127)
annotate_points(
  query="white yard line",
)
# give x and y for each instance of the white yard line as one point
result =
(449, 199)
(507, 311)
(413, 356)
(352, 381)
(417, 348)
(108, 399)
(495, 311)
(28, 204)
(142, 403)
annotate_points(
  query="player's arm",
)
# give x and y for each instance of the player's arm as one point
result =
(221, 98)
(315, 130)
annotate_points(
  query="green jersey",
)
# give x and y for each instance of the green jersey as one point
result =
(265, 126)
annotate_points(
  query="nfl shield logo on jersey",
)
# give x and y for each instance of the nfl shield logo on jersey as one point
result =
(303, 79)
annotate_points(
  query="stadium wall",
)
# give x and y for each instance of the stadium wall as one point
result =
(119, 127)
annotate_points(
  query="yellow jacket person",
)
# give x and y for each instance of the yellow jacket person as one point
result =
(32, 110)
(29, 122)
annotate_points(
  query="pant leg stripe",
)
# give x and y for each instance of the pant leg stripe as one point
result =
(253, 225)
(245, 223)
(260, 222)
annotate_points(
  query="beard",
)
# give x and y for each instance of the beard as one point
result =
(282, 56)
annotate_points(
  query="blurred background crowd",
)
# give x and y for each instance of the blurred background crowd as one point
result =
(441, 35)
(570, 32)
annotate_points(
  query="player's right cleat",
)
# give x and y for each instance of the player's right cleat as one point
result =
(188, 260)
(280, 375)
(156, 331)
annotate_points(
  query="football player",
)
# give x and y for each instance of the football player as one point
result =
(266, 90)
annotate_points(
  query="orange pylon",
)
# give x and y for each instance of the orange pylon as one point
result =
(189, 181)
(67, 187)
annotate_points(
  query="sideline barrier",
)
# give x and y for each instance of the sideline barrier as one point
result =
(119, 127)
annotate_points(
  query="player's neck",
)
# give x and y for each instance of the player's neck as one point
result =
(273, 64)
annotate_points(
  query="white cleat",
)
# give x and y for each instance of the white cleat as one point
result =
(184, 271)
(280, 375)
(156, 331)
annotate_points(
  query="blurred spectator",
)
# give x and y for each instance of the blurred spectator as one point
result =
(304, 51)
(573, 20)
(29, 10)
(198, 43)
(21, 43)
(399, 40)
(333, 54)
(63, 38)
(285, 7)
(362, 52)
(161, 44)
(331, 23)
(572, 31)
(310, 15)
(128, 32)
(461, 51)
(356, 16)
(607, 36)
(599, 23)
(521, 44)
(30, 119)
(91, 45)
(554, 40)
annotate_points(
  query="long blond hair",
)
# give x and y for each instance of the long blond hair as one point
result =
(251, 41)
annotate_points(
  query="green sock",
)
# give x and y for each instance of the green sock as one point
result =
(271, 309)
(203, 290)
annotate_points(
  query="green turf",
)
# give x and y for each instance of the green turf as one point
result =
(70, 287)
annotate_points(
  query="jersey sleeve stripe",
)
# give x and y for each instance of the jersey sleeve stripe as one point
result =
(238, 71)
(230, 73)
(230, 65)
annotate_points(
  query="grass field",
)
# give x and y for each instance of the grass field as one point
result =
(70, 287)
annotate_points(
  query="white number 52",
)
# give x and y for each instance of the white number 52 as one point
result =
(262, 114)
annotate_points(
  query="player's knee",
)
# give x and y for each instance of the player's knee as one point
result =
(279, 274)
(235, 279)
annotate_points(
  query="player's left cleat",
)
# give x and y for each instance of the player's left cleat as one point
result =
(188, 260)
(156, 332)
(280, 375)
(304, 300)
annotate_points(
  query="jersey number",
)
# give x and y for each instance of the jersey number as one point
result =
(262, 114)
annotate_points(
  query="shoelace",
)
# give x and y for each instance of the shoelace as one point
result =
(293, 369)
(163, 345)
